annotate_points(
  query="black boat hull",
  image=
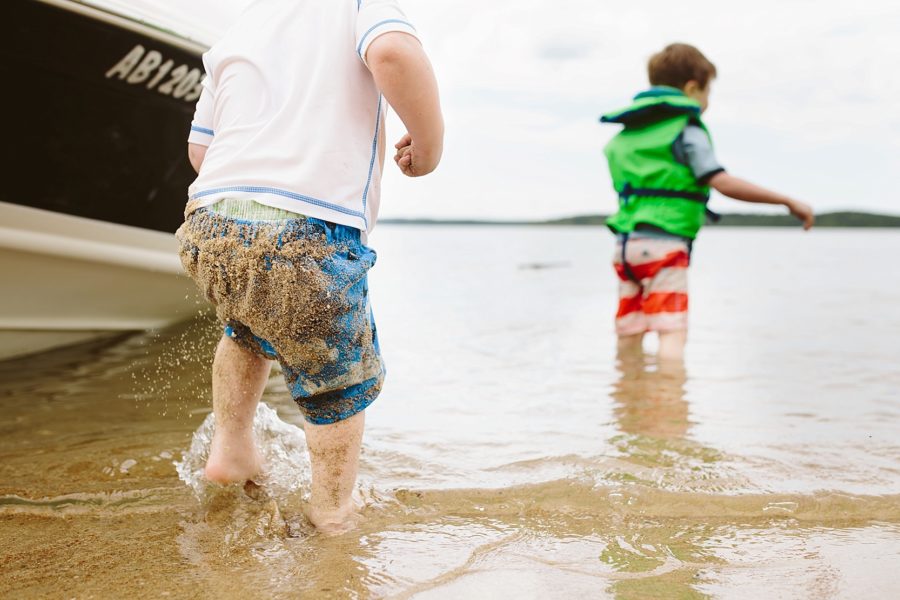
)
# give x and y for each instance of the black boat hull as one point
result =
(96, 110)
(96, 113)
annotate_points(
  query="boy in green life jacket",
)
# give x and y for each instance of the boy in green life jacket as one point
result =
(663, 167)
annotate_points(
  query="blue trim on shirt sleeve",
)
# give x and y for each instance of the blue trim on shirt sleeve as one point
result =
(249, 189)
(362, 41)
(199, 129)
(374, 151)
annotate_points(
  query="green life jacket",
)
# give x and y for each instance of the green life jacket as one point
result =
(654, 188)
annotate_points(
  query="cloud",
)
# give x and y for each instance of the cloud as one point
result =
(565, 49)
(806, 98)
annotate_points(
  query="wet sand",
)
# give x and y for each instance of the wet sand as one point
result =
(510, 455)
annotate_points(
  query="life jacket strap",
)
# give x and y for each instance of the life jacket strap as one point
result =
(626, 267)
(630, 192)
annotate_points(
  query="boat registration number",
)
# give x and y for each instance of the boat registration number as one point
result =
(152, 70)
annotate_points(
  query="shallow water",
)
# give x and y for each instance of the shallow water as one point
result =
(510, 455)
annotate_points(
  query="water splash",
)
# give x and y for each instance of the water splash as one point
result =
(282, 445)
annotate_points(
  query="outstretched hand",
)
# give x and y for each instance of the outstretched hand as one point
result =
(411, 162)
(804, 212)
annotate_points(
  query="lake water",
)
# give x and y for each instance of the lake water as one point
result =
(510, 455)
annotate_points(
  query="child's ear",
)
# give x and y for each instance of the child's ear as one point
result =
(691, 88)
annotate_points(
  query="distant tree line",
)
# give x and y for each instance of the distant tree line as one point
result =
(832, 219)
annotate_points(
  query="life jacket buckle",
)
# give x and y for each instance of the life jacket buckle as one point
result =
(626, 194)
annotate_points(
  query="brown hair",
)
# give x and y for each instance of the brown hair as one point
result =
(677, 64)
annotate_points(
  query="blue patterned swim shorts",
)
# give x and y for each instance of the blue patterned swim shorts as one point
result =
(293, 290)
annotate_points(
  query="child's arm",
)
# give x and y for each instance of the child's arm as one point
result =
(739, 189)
(201, 135)
(196, 154)
(404, 75)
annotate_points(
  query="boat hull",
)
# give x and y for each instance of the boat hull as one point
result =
(97, 110)
(68, 279)
(97, 107)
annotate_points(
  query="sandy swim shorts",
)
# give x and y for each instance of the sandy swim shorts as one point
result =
(652, 284)
(293, 290)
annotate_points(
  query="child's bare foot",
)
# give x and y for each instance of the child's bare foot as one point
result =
(336, 521)
(233, 459)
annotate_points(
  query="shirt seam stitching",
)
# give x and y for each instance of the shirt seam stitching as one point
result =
(372, 159)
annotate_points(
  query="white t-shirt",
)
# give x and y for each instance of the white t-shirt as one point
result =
(291, 113)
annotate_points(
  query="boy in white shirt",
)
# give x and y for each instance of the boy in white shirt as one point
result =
(288, 142)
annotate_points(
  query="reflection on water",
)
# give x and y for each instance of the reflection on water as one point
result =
(652, 412)
(512, 455)
(650, 397)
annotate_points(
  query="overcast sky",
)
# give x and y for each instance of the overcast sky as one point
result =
(807, 100)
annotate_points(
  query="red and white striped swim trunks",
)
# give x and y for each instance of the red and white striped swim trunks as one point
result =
(659, 302)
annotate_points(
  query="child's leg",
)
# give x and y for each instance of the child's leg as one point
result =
(239, 378)
(630, 345)
(671, 344)
(334, 456)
